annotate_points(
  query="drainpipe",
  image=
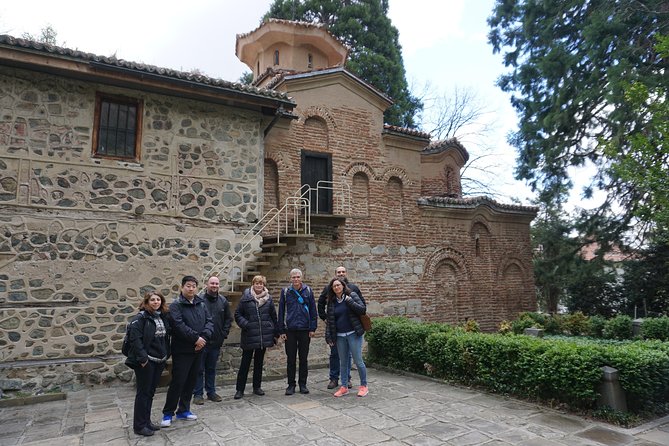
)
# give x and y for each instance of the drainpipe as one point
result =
(280, 113)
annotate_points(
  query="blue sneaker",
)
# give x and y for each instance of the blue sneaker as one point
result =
(167, 421)
(186, 416)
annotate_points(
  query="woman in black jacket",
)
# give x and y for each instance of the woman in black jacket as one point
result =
(149, 349)
(345, 330)
(256, 316)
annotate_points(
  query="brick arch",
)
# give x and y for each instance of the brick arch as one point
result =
(357, 167)
(507, 260)
(360, 194)
(281, 164)
(395, 172)
(445, 284)
(437, 257)
(481, 221)
(512, 275)
(320, 112)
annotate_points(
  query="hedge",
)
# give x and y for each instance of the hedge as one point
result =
(560, 369)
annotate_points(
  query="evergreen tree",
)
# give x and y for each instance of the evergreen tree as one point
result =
(375, 56)
(589, 82)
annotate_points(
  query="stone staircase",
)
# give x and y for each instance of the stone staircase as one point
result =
(264, 244)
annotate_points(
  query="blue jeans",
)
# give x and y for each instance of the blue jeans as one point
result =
(334, 363)
(207, 375)
(347, 346)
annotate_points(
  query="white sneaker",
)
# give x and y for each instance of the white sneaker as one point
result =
(167, 421)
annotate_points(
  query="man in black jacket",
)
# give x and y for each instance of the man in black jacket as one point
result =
(340, 273)
(191, 330)
(219, 308)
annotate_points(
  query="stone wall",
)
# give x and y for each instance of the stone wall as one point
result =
(82, 238)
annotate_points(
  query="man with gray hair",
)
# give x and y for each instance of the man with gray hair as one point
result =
(298, 318)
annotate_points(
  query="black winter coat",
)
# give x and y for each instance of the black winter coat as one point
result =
(323, 298)
(189, 320)
(221, 316)
(356, 307)
(259, 325)
(141, 336)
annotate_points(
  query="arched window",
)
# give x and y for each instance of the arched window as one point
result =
(394, 199)
(271, 185)
(310, 61)
(360, 195)
(276, 57)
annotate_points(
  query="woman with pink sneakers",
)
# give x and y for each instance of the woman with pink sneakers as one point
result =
(345, 329)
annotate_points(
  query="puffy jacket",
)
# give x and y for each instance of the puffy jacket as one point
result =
(221, 316)
(356, 307)
(292, 314)
(258, 324)
(323, 298)
(189, 321)
(142, 335)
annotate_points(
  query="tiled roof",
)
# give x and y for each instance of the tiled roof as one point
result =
(474, 202)
(406, 131)
(66, 53)
(297, 24)
(445, 144)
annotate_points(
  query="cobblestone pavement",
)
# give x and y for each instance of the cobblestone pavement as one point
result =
(399, 410)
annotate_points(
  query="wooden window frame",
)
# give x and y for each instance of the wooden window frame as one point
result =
(101, 98)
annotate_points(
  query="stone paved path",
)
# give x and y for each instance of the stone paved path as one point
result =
(400, 410)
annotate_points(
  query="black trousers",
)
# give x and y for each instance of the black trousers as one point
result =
(297, 344)
(185, 369)
(146, 379)
(258, 356)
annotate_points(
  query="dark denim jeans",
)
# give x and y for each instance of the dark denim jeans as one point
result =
(206, 379)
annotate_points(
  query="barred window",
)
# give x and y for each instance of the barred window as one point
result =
(117, 127)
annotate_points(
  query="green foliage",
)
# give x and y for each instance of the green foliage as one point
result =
(566, 370)
(588, 81)
(400, 342)
(643, 374)
(596, 326)
(612, 416)
(375, 55)
(576, 324)
(655, 328)
(646, 277)
(620, 327)
(471, 326)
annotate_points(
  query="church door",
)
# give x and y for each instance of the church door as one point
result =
(318, 167)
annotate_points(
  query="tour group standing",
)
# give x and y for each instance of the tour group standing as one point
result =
(194, 326)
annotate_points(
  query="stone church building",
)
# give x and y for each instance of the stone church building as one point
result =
(118, 177)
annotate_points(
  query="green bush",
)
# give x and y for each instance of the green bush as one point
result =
(564, 369)
(655, 328)
(620, 327)
(575, 324)
(596, 326)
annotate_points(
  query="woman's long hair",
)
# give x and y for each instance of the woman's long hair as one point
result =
(331, 294)
(145, 302)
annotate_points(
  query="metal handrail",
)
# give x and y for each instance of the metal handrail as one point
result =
(282, 218)
(295, 212)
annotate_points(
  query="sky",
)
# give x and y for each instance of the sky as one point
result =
(444, 45)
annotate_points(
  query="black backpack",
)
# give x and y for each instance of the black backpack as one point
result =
(125, 348)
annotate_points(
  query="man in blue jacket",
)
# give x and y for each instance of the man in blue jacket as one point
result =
(219, 308)
(191, 330)
(298, 318)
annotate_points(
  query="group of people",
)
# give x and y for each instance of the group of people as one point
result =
(193, 327)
